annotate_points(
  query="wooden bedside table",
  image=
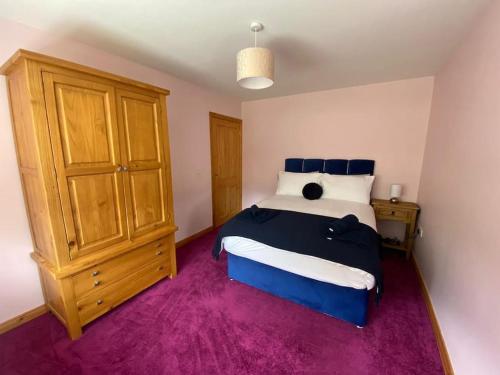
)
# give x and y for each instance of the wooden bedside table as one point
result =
(404, 212)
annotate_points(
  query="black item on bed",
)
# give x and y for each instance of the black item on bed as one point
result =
(312, 191)
(338, 227)
(305, 234)
(261, 215)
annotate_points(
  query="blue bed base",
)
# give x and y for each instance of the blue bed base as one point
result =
(345, 303)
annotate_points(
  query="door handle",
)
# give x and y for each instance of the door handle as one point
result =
(124, 168)
(119, 168)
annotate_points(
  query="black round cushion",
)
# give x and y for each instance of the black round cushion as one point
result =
(312, 191)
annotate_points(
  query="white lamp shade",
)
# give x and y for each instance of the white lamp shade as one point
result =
(396, 190)
(255, 68)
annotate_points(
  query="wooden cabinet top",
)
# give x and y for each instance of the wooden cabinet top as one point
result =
(29, 55)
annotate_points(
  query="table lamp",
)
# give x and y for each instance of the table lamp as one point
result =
(395, 193)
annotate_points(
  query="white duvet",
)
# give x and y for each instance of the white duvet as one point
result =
(306, 265)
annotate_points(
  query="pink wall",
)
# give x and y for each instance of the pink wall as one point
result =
(459, 193)
(386, 122)
(188, 108)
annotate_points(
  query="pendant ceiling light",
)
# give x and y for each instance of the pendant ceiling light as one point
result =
(255, 65)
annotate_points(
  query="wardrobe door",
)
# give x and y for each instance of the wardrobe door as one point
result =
(85, 141)
(142, 131)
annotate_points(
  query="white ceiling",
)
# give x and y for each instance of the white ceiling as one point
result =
(318, 44)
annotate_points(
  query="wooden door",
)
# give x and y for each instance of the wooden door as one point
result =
(85, 141)
(143, 137)
(225, 146)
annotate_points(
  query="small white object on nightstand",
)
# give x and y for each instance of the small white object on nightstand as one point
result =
(395, 193)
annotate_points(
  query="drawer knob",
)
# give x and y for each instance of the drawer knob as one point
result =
(71, 243)
(159, 252)
(99, 301)
(158, 245)
(160, 268)
(95, 273)
(97, 283)
(392, 213)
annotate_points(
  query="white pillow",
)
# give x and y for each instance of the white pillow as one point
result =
(290, 183)
(347, 188)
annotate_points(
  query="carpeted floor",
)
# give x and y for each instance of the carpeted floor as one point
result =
(202, 323)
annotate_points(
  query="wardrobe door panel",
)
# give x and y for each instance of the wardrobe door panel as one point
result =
(141, 128)
(96, 217)
(148, 199)
(85, 141)
(85, 126)
(142, 131)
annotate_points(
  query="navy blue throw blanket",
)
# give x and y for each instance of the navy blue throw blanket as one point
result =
(338, 227)
(305, 234)
(261, 215)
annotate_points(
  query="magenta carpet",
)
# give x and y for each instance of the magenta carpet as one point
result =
(202, 323)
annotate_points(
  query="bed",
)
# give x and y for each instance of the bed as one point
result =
(325, 286)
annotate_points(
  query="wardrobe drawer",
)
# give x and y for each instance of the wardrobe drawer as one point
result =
(103, 274)
(101, 301)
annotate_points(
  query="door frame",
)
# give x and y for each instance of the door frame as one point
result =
(212, 116)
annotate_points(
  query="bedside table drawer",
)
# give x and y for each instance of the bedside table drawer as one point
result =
(391, 214)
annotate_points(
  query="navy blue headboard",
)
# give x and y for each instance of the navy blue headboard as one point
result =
(331, 166)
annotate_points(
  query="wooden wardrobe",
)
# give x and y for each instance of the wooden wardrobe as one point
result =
(94, 161)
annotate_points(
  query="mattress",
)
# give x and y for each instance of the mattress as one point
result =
(306, 265)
